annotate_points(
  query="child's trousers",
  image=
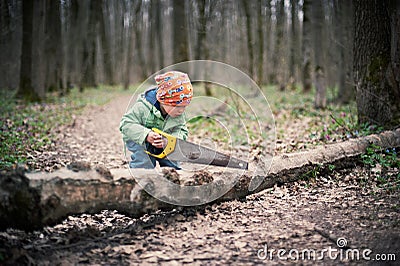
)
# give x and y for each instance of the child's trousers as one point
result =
(140, 159)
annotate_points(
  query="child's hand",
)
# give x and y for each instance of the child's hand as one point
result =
(156, 140)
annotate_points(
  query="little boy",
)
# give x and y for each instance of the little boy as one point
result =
(163, 108)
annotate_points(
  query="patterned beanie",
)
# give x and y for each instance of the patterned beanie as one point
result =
(174, 88)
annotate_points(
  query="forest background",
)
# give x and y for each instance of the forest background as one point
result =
(339, 51)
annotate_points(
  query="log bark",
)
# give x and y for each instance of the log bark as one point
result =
(32, 200)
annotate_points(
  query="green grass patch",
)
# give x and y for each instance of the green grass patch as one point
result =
(374, 155)
(335, 122)
(383, 164)
(227, 117)
(26, 128)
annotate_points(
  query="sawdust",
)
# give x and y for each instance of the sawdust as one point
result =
(200, 178)
(77, 166)
(172, 175)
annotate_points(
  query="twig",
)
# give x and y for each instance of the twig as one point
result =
(342, 125)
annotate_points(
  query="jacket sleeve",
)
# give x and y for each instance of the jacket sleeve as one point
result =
(131, 125)
(180, 130)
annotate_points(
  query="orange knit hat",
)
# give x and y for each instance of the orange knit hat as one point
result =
(174, 88)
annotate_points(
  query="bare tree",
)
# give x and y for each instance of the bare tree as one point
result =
(159, 31)
(152, 40)
(342, 20)
(260, 42)
(53, 46)
(319, 72)
(267, 39)
(277, 76)
(294, 43)
(75, 37)
(372, 60)
(129, 21)
(306, 47)
(250, 43)
(25, 89)
(138, 41)
(90, 49)
(116, 36)
(10, 43)
(180, 41)
(202, 49)
(92, 41)
(39, 59)
(106, 52)
(394, 70)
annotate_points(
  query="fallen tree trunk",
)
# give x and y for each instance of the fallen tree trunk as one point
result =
(32, 200)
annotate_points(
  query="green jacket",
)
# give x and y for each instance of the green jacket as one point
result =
(138, 121)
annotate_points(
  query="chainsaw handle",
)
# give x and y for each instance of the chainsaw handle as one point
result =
(170, 145)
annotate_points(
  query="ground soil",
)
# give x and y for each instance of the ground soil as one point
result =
(327, 219)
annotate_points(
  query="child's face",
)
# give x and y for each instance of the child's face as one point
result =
(174, 111)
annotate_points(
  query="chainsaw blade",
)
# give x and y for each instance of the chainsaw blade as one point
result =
(189, 152)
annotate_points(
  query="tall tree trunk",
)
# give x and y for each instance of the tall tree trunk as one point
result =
(319, 73)
(278, 54)
(159, 32)
(89, 50)
(339, 35)
(10, 43)
(306, 46)
(39, 59)
(371, 61)
(86, 33)
(114, 17)
(105, 42)
(73, 57)
(267, 39)
(53, 46)
(129, 67)
(343, 13)
(349, 40)
(130, 39)
(293, 44)
(202, 31)
(26, 89)
(180, 41)
(394, 71)
(260, 35)
(152, 37)
(201, 50)
(138, 41)
(250, 42)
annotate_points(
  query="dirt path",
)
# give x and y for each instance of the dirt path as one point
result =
(93, 137)
(299, 222)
